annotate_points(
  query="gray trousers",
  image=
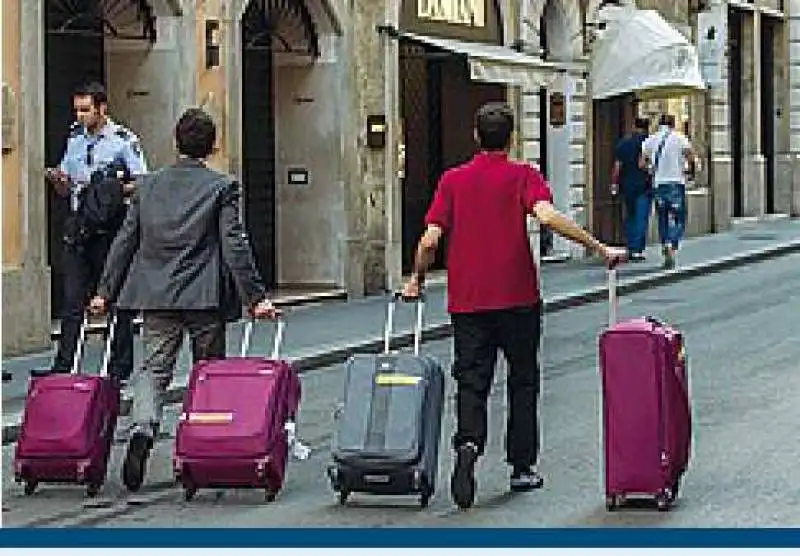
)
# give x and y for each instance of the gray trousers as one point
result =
(163, 337)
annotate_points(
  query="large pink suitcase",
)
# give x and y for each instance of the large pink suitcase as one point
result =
(233, 429)
(68, 425)
(646, 408)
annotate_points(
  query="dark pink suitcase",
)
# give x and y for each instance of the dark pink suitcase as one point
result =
(68, 425)
(646, 408)
(232, 431)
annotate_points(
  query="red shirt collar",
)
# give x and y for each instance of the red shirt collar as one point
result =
(491, 155)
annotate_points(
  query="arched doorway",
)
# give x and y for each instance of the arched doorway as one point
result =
(438, 102)
(268, 27)
(75, 38)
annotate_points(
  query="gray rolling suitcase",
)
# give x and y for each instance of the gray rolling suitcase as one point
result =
(389, 424)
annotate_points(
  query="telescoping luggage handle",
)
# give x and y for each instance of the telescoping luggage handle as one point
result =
(613, 299)
(112, 329)
(390, 311)
(276, 346)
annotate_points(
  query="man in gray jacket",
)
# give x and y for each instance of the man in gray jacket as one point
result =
(182, 238)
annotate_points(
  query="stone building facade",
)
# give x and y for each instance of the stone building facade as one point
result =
(752, 141)
(339, 117)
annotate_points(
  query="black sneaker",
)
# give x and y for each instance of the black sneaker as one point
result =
(135, 461)
(462, 484)
(525, 478)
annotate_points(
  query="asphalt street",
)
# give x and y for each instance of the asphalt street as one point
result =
(743, 354)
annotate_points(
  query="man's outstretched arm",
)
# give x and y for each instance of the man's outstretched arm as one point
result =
(547, 214)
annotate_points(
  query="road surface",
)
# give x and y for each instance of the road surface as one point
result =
(743, 347)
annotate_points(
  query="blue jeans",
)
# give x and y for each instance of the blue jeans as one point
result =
(671, 211)
(637, 218)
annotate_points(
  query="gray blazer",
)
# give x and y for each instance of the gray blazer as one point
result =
(181, 238)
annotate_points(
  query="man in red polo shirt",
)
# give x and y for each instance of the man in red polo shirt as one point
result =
(493, 292)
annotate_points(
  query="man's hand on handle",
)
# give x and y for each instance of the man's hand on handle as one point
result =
(264, 309)
(613, 256)
(412, 289)
(98, 305)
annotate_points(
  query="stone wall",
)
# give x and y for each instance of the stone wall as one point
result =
(26, 287)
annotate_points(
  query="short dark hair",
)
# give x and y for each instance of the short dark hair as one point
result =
(92, 89)
(667, 120)
(642, 123)
(195, 134)
(494, 123)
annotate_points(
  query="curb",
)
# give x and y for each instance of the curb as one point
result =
(284, 301)
(437, 331)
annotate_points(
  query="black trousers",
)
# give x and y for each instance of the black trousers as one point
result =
(477, 338)
(82, 269)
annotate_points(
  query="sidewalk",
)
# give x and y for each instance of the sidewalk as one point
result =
(328, 333)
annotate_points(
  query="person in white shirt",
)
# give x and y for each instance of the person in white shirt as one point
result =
(665, 154)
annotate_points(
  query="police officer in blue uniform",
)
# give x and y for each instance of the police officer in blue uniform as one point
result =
(97, 149)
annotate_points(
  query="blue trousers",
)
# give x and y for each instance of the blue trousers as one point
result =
(671, 212)
(637, 218)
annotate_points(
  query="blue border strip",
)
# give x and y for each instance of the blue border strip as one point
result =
(401, 538)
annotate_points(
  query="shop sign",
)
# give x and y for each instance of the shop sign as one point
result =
(471, 13)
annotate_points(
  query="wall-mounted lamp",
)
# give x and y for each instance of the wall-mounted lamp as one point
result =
(212, 43)
(388, 30)
(376, 131)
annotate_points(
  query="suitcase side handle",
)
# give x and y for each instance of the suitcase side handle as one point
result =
(277, 344)
(418, 322)
(79, 348)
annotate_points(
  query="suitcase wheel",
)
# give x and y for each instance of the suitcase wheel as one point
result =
(343, 495)
(613, 501)
(676, 486)
(424, 499)
(663, 501)
(30, 487)
(188, 493)
(93, 489)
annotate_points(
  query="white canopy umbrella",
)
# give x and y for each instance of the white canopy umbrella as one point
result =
(641, 53)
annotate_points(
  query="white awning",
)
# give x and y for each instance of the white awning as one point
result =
(642, 53)
(495, 64)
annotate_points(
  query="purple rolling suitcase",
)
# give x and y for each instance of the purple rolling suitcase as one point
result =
(646, 408)
(68, 425)
(233, 429)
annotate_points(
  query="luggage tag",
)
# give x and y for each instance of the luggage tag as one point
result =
(298, 449)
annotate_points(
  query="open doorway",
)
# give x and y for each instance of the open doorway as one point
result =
(438, 104)
(258, 137)
(612, 118)
(76, 37)
(282, 97)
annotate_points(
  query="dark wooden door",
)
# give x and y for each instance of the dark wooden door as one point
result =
(439, 102)
(258, 141)
(612, 119)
